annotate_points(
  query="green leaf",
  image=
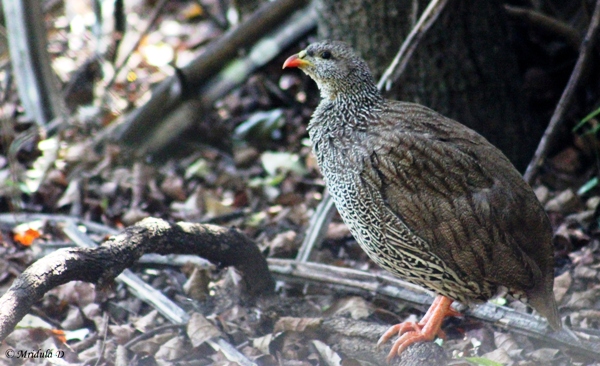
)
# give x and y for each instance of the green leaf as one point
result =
(588, 186)
(586, 119)
(481, 361)
(593, 130)
(261, 126)
(199, 168)
(256, 219)
(499, 301)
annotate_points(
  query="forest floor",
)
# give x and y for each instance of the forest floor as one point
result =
(253, 171)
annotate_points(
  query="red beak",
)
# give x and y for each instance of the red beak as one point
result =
(294, 61)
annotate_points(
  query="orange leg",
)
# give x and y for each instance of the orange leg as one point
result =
(425, 330)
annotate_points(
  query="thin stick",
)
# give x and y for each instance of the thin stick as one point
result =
(565, 100)
(318, 227)
(427, 19)
(151, 22)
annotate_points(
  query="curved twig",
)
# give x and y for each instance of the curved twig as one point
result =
(100, 265)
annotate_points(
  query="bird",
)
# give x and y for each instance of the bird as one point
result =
(427, 198)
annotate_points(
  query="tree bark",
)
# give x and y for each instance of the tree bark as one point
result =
(464, 67)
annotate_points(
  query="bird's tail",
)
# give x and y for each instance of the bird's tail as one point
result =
(543, 302)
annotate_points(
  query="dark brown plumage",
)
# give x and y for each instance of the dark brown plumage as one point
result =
(427, 198)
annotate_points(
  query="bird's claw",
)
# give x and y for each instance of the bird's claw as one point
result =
(425, 330)
(408, 333)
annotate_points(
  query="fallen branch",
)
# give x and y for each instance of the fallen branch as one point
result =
(228, 247)
(36, 82)
(89, 264)
(157, 139)
(134, 283)
(100, 265)
(387, 285)
(169, 109)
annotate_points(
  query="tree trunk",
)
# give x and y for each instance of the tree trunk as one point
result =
(464, 67)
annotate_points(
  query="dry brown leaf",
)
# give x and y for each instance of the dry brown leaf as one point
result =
(329, 357)
(289, 199)
(584, 256)
(245, 156)
(173, 187)
(196, 286)
(152, 345)
(122, 333)
(78, 293)
(264, 360)
(498, 355)
(338, 231)
(173, 349)
(283, 243)
(356, 307)
(214, 206)
(592, 314)
(583, 299)
(199, 329)
(592, 203)
(296, 324)
(562, 284)
(505, 341)
(566, 202)
(295, 347)
(74, 319)
(263, 343)
(584, 219)
(134, 215)
(269, 344)
(544, 355)
(567, 161)
(192, 207)
(542, 193)
(147, 322)
(583, 271)
(71, 194)
(92, 310)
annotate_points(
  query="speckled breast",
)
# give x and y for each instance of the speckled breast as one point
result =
(380, 233)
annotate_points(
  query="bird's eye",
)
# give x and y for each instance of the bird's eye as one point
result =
(326, 55)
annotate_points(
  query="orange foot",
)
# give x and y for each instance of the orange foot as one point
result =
(426, 330)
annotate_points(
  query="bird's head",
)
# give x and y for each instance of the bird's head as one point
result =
(334, 67)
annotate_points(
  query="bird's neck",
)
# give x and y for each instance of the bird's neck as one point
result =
(359, 95)
(352, 107)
